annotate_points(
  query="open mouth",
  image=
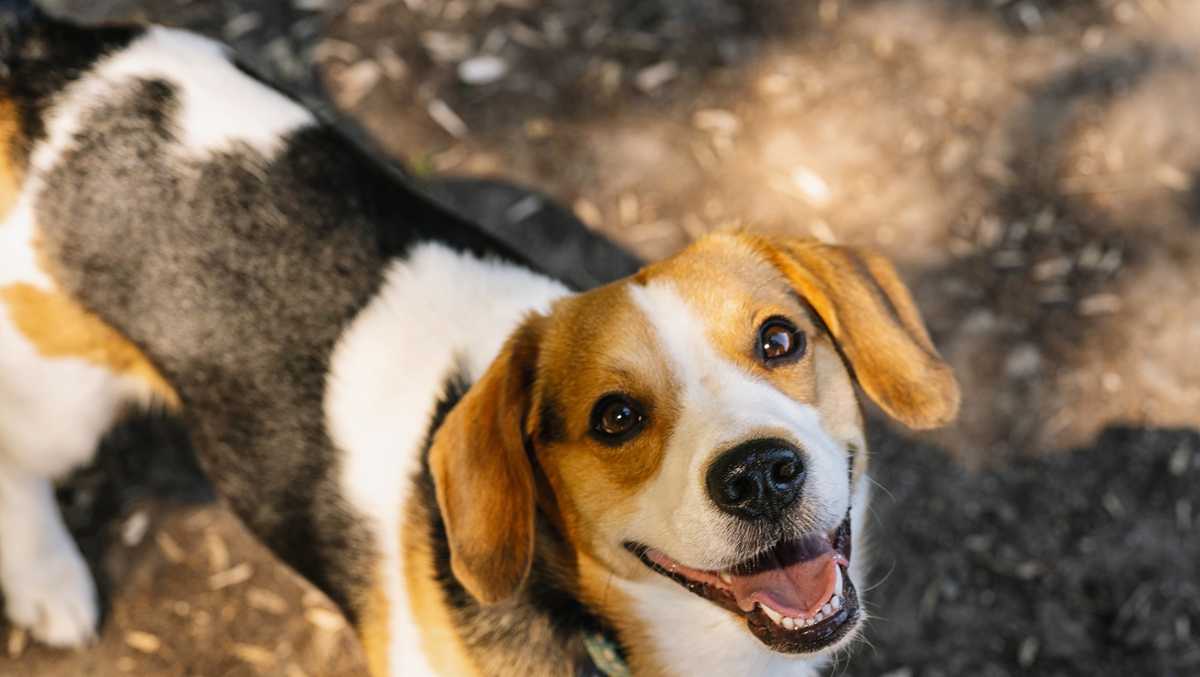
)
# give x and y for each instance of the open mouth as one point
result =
(796, 597)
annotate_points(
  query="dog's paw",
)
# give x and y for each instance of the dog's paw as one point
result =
(55, 598)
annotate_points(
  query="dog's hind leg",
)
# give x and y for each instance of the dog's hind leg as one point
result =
(65, 378)
(52, 415)
(47, 585)
(54, 404)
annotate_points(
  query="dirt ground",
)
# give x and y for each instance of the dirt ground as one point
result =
(1033, 166)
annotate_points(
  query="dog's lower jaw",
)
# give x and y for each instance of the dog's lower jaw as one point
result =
(679, 634)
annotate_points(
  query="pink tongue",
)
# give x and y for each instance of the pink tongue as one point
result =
(795, 590)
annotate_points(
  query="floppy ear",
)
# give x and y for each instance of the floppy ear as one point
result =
(871, 315)
(482, 474)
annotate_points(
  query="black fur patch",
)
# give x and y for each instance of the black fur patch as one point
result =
(42, 56)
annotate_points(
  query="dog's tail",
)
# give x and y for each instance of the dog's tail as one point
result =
(16, 16)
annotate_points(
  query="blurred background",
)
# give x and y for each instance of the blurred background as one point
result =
(1032, 166)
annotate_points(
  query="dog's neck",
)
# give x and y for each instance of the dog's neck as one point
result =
(544, 627)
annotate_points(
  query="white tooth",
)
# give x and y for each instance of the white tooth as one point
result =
(837, 586)
(827, 609)
(774, 615)
(808, 622)
(725, 577)
(789, 624)
(836, 602)
(819, 617)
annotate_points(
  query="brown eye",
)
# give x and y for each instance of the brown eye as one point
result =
(616, 418)
(779, 340)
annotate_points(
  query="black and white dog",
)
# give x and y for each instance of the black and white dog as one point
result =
(490, 472)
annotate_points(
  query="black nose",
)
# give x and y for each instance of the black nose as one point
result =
(758, 479)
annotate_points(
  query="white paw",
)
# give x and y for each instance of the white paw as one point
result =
(54, 597)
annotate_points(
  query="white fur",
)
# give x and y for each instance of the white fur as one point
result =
(47, 585)
(207, 85)
(52, 414)
(53, 411)
(693, 636)
(18, 261)
(436, 311)
(722, 405)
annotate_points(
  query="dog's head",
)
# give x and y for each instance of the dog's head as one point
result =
(695, 426)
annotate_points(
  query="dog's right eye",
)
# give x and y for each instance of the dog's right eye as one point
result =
(616, 418)
(780, 341)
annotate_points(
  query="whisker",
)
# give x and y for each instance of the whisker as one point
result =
(882, 580)
(882, 488)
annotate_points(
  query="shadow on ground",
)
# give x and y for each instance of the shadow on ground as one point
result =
(1078, 564)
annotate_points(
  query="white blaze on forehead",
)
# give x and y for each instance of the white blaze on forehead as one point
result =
(720, 406)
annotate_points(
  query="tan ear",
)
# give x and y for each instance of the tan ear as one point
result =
(482, 474)
(871, 314)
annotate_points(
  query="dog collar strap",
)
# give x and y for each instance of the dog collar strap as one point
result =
(605, 657)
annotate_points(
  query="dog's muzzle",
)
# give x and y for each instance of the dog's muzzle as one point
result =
(796, 597)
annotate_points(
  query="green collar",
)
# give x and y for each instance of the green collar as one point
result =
(605, 655)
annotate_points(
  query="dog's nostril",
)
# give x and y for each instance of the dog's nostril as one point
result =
(740, 489)
(785, 472)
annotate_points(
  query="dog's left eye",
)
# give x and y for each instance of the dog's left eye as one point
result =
(780, 340)
(616, 418)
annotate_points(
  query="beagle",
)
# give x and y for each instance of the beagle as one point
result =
(491, 473)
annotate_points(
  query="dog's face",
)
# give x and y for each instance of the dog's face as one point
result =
(696, 425)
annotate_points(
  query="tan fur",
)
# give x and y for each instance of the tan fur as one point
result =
(441, 641)
(872, 316)
(11, 172)
(598, 343)
(485, 487)
(373, 629)
(58, 327)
